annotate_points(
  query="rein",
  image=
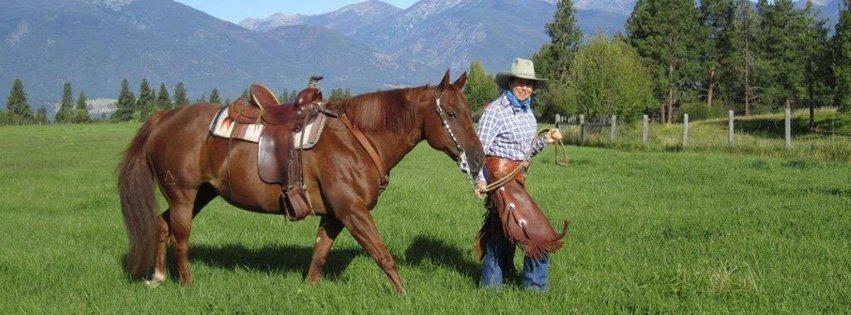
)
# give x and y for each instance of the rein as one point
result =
(370, 149)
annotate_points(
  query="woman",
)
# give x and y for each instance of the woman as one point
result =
(508, 131)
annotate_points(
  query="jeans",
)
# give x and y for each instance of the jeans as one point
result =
(499, 253)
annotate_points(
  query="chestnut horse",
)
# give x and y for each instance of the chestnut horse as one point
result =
(342, 183)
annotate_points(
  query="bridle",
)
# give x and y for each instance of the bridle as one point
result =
(463, 164)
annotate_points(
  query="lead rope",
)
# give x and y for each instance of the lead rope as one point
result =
(558, 144)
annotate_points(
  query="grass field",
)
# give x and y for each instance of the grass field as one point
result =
(651, 232)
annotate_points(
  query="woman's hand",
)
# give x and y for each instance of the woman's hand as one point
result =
(480, 190)
(552, 136)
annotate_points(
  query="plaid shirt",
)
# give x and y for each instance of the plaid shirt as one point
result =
(507, 132)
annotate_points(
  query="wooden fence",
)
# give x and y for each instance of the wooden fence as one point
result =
(595, 125)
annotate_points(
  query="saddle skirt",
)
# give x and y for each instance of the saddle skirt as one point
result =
(224, 127)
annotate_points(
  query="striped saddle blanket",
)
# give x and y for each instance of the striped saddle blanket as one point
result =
(224, 127)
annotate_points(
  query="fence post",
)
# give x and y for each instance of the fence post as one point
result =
(730, 139)
(582, 130)
(645, 129)
(558, 119)
(788, 128)
(685, 130)
(614, 127)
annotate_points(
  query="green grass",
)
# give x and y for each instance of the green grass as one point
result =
(651, 232)
(763, 135)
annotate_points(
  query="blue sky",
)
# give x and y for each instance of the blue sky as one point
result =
(235, 11)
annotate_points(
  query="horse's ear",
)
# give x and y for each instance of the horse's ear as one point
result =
(462, 80)
(445, 82)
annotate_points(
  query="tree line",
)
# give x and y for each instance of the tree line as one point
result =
(678, 56)
(128, 107)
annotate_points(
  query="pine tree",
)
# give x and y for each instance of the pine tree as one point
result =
(146, 101)
(552, 61)
(18, 111)
(747, 22)
(480, 88)
(668, 36)
(565, 37)
(124, 108)
(336, 94)
(202, 99)
(163, 100)
(180, 98)
(81, 112)
(841, 58)
(65, 112)
(284, 97)
(813, 44)
(214, 96)
(783, 53)
(720, 50)
(41, 116)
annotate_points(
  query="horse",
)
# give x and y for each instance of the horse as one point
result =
(174, 149)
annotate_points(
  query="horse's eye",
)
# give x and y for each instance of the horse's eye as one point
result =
(451, 115)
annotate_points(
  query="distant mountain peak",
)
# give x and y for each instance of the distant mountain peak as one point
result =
(115, 5)
(273, 21)
(366, 7)
(346, 20)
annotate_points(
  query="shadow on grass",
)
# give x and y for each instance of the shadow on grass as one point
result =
(290, 259)
(284, 259)
(426, 248)
(775, 127)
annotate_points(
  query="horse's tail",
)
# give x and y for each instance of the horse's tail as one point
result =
(138, 201)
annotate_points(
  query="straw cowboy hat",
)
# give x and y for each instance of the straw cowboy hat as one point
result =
(522, 69)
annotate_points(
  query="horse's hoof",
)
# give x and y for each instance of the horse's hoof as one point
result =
(152, 283)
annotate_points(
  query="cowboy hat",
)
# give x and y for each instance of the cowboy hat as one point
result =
(522, 69)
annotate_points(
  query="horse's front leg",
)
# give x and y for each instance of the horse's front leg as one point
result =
(363, 229)
(329, 228)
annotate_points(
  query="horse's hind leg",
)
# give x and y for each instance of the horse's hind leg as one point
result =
(203, 196)
(180, 219)
(329, 229)
(162, 248)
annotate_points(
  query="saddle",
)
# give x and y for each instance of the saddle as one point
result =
(278, 159)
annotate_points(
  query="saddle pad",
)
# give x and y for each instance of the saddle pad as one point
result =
(224, 127)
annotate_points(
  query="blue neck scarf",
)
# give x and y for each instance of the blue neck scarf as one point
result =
(524, 105)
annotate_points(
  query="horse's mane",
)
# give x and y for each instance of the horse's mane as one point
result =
(384, 110)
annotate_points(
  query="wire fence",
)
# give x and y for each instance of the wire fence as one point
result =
(786, 134)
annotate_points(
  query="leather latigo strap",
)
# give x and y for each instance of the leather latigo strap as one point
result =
(370, 150)
(519, 216)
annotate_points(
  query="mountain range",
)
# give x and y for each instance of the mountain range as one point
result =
(453, 33)
(94, 44)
